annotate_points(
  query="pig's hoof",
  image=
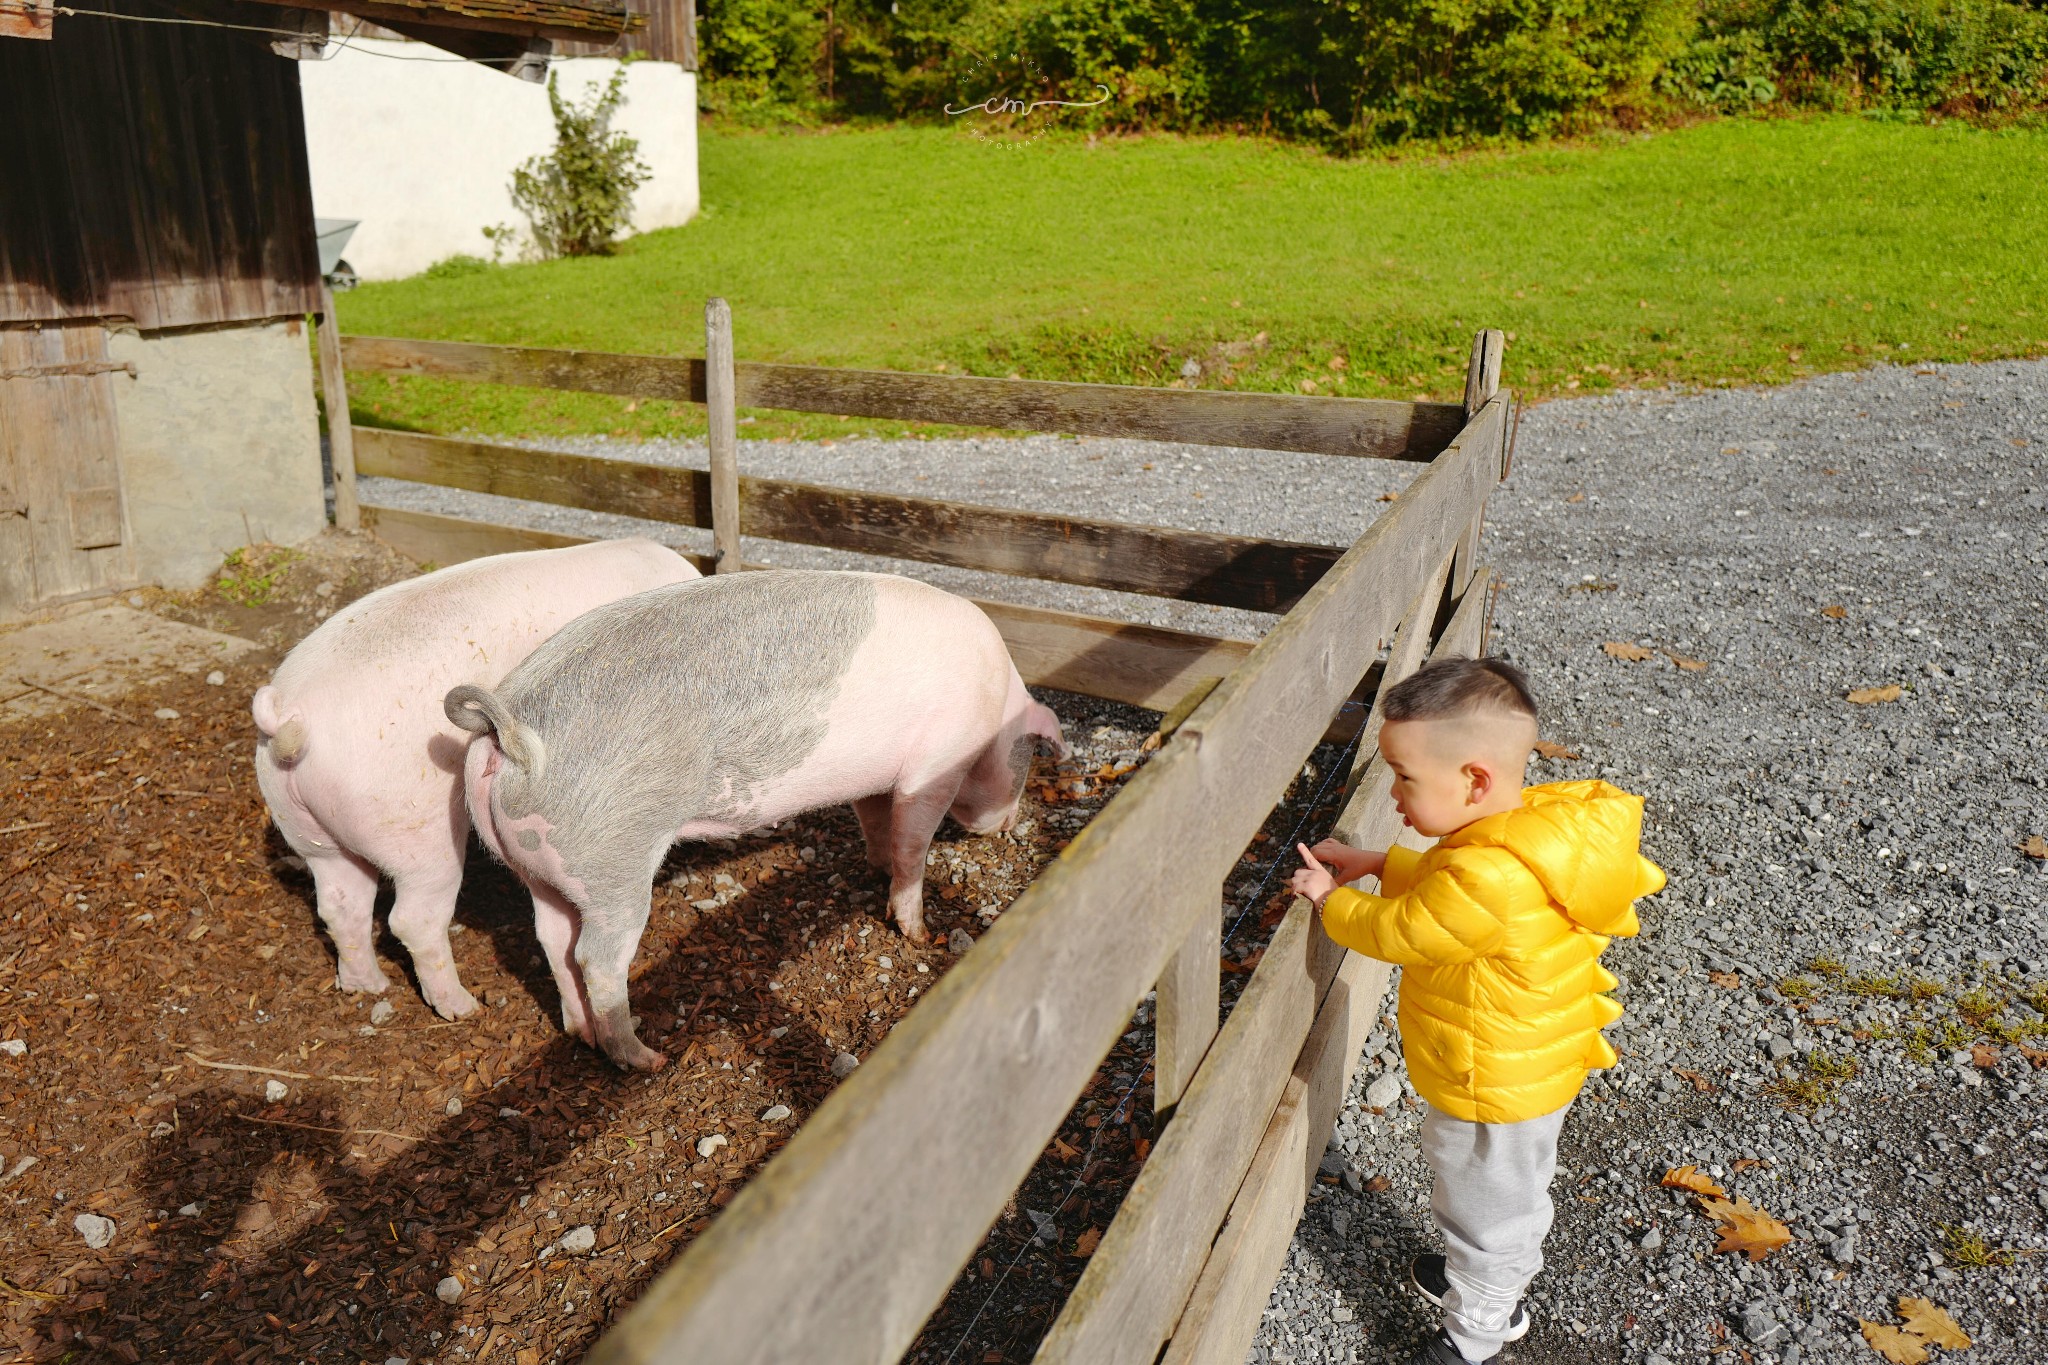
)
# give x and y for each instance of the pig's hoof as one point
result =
(362, 979)
(455, 1004)
(634, 1055)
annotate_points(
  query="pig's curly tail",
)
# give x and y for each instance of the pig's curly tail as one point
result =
(287, 734)
(480, 711)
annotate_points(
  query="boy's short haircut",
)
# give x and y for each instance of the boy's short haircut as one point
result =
(1450, 688)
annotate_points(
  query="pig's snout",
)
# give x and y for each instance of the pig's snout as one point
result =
(481, 712)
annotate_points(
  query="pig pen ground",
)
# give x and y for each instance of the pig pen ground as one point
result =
(1846, 1033)
(208, 1153)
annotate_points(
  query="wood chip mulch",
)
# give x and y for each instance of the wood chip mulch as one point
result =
(161, 962)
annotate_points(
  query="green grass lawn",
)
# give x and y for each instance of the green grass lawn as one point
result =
(1732, 252)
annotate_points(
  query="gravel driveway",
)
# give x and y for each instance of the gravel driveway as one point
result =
(1831, 1009)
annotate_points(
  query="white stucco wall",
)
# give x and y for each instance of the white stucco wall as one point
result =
(422, 151)
(219, 445)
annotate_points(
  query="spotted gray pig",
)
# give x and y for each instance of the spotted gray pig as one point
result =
(707, 709)
(357, 760)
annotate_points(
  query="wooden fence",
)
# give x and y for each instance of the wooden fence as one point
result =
(843, 1245)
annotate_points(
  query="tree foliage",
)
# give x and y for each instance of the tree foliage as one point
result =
(1358, 73)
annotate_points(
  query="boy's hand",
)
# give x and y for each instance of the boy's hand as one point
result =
(1314, 880)
(1348, 864)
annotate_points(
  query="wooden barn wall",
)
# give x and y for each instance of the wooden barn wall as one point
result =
(154, 172)
(670, 35)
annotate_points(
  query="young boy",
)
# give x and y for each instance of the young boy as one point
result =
(1500, 927)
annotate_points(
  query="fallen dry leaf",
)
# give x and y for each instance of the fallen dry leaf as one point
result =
(1689, 665)
(1085, 1245)
(1743, 1163)
(1835, 613)
(1377, 1185)
(1576, 497)
(1699, 1083)
(1871, 696)
(2038, 1057)
(1894, 1345)
(1748, 1229)
(1549, 750)
(1931, 1323)
(1983, 1055)
(1694, 1179)
(2034, 846)
(1390, 497)
(1622, 649)
(1727, 981)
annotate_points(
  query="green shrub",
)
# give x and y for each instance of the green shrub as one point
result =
(579, 197)
(1356, 73)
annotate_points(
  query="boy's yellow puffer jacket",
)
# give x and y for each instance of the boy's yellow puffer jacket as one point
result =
(1500, 928)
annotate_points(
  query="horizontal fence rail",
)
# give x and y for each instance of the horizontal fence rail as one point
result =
(1190, 566)
(840, 1239)
(1374, 428)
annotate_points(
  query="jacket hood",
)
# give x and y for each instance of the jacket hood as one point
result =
(1581, 840)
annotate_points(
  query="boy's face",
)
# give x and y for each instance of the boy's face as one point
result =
(1447, 773)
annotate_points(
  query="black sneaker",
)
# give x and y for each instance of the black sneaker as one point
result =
(1426, 1273)
(1438, 1350)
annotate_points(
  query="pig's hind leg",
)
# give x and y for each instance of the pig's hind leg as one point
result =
(614, 915)
(345, 889)
(555, 924)
(420, 918)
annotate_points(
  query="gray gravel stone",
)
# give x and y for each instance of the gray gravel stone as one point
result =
(382, 1013)
(843, 1065)
(1851, 531)
(579, 1240)
(449, 1290)
(98, 1232)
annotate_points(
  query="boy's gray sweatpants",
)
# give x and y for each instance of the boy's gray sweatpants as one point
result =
(1492, 1204)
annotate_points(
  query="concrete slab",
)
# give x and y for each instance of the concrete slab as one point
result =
(91, 658)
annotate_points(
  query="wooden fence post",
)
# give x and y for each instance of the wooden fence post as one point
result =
(341, 445)
(1189, 1008)
(721, 408)
(1482, 381)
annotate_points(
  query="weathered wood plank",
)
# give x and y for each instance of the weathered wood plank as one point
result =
(653, 492)
(977, 1078)
(1193, 566)
(340, 432)
(1189, 1006)
(1140, 665)
(1374, 428)
(1222, 1312)
(723, 419)
(1482, 382)
(1127, 1299)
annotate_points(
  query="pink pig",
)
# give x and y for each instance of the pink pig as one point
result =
(362, 770)
(704, 710)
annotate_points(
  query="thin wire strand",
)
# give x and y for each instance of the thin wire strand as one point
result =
(335, 48)
(1116, 1115)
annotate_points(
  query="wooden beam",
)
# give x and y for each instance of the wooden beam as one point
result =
(724, 437)
(518, 55)
(1191, 566)
(978, 1077)
(563, 19)
(1369, 427)
(1482, 382)
(650, 492)
(340, 431)
(1222, 1313)
(1189, 1006)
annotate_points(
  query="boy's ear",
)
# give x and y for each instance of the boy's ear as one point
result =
(1479, 783)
